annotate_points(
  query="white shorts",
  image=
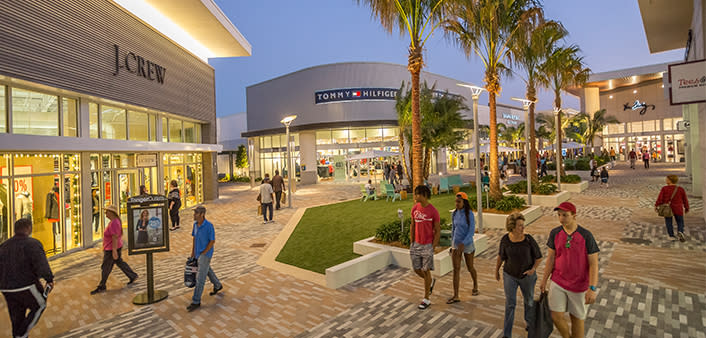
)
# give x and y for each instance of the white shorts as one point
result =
(562, 300)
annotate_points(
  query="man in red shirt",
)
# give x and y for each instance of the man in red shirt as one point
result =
(572, 263)
(424, 236)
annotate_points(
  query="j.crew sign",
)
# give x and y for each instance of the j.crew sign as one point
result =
(137, 64)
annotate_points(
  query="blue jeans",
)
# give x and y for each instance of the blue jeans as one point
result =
(680, 224)
(265, 207)
(204, 270)
(527, 287)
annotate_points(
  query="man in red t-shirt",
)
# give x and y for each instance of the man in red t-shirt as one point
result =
(424, 236)
(572, 263)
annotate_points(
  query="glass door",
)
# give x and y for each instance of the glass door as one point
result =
(128, 186)
(148, 178)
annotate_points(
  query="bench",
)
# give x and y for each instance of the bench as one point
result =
(455, 180)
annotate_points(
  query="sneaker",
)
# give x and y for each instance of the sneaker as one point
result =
(681, 236)
(98, 290)
(424, 304)
(192, 307)
(672, 238)
(431, 287)
(265, 222)
(215, 290)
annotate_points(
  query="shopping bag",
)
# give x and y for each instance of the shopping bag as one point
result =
(284, 197)
(190, 271)
(259, 210)
(542, 326)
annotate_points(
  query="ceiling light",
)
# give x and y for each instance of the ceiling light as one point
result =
(610, 97)
(634, 91)
(662, 86)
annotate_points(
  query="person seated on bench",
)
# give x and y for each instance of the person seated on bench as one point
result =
(370, 188)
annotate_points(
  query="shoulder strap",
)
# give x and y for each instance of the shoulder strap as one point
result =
(676, 187)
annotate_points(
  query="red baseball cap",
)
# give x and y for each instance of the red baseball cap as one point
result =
(567, 206)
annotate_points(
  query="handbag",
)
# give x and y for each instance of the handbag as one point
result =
(190, 270)
(543, 325)
(665, 209)
(284, 197)
(259, 197)
(259, 210)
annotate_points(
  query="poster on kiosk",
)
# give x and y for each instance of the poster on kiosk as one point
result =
(147, 233)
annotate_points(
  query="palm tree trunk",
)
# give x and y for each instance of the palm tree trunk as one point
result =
(532, 160)
(427, 162)
(402, 154)
(495, 192)
(415, 67)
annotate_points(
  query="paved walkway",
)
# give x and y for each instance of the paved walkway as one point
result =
(649, 286)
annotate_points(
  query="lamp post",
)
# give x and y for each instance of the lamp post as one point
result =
(475, 94)
(525, 105)
(287, 121)
(557, 112)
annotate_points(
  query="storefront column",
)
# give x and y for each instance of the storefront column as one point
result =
(86, 201)
(694, 148)
(210, 175)
(84, 118)
(307, 153)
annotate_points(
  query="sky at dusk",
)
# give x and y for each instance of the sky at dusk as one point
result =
(287, 36)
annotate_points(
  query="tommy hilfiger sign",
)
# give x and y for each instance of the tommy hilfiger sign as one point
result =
(138, 65)
(363, 94)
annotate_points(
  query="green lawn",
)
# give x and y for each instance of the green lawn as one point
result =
(325, 235)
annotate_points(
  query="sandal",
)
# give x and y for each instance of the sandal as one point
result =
(452, 300)
(475, 292)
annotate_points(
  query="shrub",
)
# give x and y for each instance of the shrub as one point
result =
(388, 232)
(570, 179)
(582, 164)
(551, 165)
(519, 187)
(509, 203)
(546, 189)
(258, 179)
(404, 235)
(548, 179)
(241, 179)
(225, 178)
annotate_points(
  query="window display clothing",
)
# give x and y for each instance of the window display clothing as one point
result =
(52, 207)
(23, 204)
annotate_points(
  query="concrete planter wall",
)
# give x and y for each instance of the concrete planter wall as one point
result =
(377, 256)
(547, 200)
(574, 187)
(497, 221)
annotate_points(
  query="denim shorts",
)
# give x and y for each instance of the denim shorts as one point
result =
(467, 249)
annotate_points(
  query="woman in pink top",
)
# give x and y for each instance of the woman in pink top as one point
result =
(112, 245)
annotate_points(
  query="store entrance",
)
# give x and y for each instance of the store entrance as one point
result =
(128, 186)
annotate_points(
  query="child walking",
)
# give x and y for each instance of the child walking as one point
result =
(604, 176)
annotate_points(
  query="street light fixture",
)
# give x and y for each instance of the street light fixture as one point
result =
(557, 153)
(475, 94)
(525, 105)
(287, 121)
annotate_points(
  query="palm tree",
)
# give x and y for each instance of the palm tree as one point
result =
(530, 51)
(442, 124)
(403, 106)
(595, 124)
(563, 68)
(489, 29)
(419, 19)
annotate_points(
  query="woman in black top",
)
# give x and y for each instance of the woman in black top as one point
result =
(521, 255)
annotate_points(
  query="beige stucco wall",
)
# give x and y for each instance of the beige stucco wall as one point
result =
(650, 92)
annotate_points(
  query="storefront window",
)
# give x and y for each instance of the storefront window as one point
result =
(175, 132)
(106, 161)
(340, 136)
(34, 113)
(648, 125)
(70, 115)
(390, 135)
(138, 126)
(113, 124)
(3, 111)
(165, 130)
(37, 199)
(323, 137)
(176, 158)
(189, 132)
(176, 173)
(93, 119)
(72, 212)
(193, 184)
(357, 135)
(278, 141)
(197, 133)
(122, 160)
(153, 127)
(373, 135)
(28, 164)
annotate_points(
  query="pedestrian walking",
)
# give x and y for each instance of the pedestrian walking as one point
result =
(632, 157)
(612, 154)
(112, 250)
(572, 264)
(278, 187)
(543, 170)
(266, 198)
(202, 250)
(604, 176)
(400, 171)
(424, 236)
(392, 175)
(594, 170)
(463, 227)
(675, 197)
(22, 263)
(174, 198)
(646, 159)
(519, 255)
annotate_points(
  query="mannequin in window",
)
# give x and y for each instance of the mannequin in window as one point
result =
(51, 211)
(95, 200)
(23, 204)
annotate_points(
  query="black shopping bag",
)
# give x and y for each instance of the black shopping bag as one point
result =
(190, 272)
(542, 326)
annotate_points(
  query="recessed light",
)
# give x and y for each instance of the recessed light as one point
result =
(662, 86)
(610, 97)
(634, 91)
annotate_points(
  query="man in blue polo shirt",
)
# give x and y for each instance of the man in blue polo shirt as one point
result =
(204, 239)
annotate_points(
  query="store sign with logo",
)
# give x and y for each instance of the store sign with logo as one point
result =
(136, 64)
(641, 106)
(688, 82)
(147, 160)
(362, 94)
(511, 118)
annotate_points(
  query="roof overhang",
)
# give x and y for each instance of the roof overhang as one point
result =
(611, 80)
(198, 26)
(666, 23)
